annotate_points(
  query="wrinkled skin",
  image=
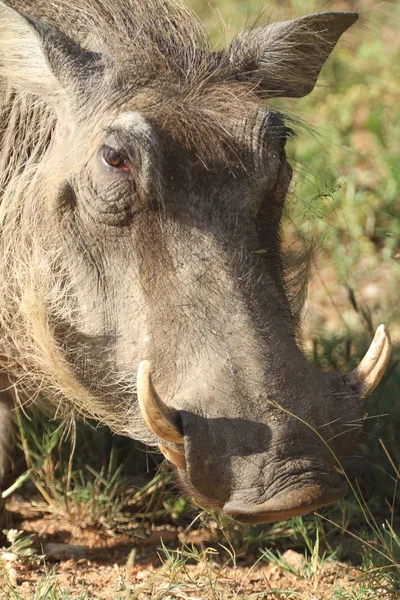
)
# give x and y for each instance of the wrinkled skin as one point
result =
(179, 262)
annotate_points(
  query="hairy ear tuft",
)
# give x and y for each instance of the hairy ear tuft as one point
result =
(22, 61)
(36, 57)
(285, 59)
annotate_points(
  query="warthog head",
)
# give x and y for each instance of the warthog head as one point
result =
(143, 179)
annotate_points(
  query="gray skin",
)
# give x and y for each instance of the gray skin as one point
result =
(176, 258)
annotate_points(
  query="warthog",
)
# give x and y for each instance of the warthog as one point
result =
(142, 186)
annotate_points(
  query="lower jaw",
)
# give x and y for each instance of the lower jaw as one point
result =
(286, 504)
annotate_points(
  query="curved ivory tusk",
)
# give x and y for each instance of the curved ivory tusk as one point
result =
(160, 418)
(370, 371)
(174, 456)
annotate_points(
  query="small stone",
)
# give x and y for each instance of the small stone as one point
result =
(8, 556)
(293, 559)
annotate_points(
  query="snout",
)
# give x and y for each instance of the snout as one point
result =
(291, 502)
(251, 459)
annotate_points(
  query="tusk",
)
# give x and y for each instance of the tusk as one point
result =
(174, 456)
(160, 419)
(370, 371)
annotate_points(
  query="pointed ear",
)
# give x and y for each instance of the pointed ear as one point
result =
(37, 58)
(285, 59)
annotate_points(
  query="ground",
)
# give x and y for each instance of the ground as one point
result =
(89, 564)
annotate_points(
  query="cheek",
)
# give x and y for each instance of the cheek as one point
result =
(270, 200)
(285, 172)
(66, 199)
(106, 201)
(103, 276)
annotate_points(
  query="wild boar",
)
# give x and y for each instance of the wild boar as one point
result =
(143, 178)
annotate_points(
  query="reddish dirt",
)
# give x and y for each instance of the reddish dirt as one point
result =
(118, 567)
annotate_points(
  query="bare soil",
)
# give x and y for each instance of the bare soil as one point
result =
(112, 567)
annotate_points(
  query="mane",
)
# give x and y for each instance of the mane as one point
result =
(189, 91)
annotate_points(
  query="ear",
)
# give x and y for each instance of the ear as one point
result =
(37, 58)
(285, 59)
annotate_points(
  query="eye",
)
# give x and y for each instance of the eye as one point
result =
(115, 158)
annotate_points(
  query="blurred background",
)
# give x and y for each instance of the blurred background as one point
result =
(346, 160)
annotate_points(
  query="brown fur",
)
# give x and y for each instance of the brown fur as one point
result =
(189, 91)
(178, 259)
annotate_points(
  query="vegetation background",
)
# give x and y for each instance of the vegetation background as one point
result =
(347, 195)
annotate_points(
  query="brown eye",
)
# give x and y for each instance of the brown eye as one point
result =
(115, 159)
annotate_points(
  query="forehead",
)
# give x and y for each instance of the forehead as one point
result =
(133, 120)
(214, 137)
(130, 128)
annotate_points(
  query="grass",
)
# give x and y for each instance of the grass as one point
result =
(346, 194)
